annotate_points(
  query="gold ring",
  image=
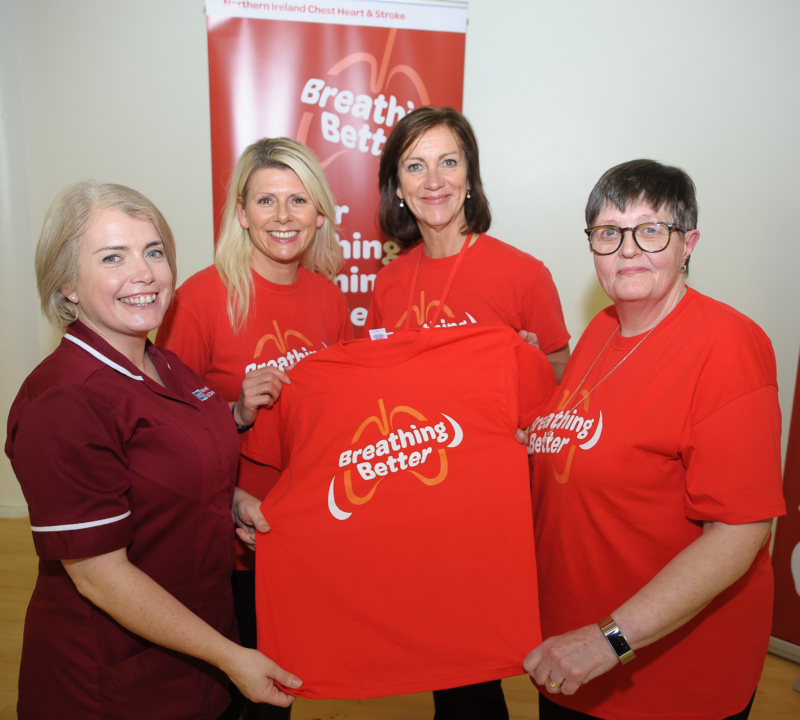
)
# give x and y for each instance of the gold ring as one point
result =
(554, 685)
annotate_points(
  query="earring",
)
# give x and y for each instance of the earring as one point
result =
(683, 268)
(402, 203)
(468, 195)
(73, 298)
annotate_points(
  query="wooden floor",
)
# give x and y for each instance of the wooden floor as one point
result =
(775, 699)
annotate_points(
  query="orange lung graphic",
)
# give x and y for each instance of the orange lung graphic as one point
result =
(379, 80)
(280, 339)
(422, 311)
(564, 476)
(385, 424)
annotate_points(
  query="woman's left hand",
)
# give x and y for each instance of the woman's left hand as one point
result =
(680, 590)
(259, 387)
(247, 516)
(570, 660)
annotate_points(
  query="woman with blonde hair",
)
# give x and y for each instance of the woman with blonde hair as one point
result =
(127, 462)
(265, 304)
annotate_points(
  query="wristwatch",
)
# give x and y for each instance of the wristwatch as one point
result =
(616, 639)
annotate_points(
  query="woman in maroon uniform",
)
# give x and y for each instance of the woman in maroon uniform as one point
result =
(127, 462)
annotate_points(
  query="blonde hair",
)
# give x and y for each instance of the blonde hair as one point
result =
(68, 218)
(235, 248)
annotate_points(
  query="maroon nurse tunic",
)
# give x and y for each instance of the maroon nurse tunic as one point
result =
(107, 458)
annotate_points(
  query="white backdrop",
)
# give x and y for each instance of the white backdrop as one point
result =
(557, 92)
(560, 92)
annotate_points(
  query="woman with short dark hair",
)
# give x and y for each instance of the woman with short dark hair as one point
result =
(451, 273)
(656, 478)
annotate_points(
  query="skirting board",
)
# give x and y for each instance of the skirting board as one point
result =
(13, 511)
(785, 649)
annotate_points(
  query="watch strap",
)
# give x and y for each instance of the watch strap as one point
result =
(239, 428)
(616, 639)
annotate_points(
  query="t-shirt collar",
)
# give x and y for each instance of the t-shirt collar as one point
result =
(621, 343)
(297, 286)
(400, 346)
(447, 262)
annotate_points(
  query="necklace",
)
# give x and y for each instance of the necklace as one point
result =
(619, 327)
(580, 385)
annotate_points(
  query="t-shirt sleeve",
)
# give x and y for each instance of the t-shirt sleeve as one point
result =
(530, 381)
(255, 478)
(184, 334)
(733, 461)
(263, 442)
(542, 313)
(69, 457)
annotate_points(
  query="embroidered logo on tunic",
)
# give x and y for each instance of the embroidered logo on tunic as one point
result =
(203, 394)
(400, 450)
(550, 434)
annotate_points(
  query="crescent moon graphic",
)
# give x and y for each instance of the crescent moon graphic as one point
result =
(457, 429)
(472, 319)
(587, 445)
(335, 511)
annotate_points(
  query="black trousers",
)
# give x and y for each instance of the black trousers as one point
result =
(244, 607)
(549, 710)
(483, 701)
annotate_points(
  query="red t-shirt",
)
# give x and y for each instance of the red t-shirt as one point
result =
(401, 553)
(107, 458)
(494, 283)
(286, 323)
(685, 430)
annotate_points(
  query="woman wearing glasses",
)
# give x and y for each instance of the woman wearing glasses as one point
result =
(656, 476)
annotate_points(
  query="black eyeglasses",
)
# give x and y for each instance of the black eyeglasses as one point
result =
(649, 237)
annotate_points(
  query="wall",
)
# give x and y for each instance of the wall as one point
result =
(113, 91)
(19, 350)
(558, 92)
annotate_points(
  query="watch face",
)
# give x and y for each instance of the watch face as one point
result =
(617, 640)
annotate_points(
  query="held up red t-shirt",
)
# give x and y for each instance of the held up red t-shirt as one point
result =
(286, 323)
(495, 283)
(400, 557)
(685, 431)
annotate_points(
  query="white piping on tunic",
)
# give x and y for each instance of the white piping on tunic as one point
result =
(101, 357)
(80, 526)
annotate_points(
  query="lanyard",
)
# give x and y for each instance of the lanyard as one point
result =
(447, 285)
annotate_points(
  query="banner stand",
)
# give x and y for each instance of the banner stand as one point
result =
(785, 640)
(336, 75)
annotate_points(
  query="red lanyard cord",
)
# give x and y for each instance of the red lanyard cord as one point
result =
(447, 285)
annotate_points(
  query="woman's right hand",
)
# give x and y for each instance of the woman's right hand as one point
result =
(254, 674)
(140, 604)
(260, 387)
